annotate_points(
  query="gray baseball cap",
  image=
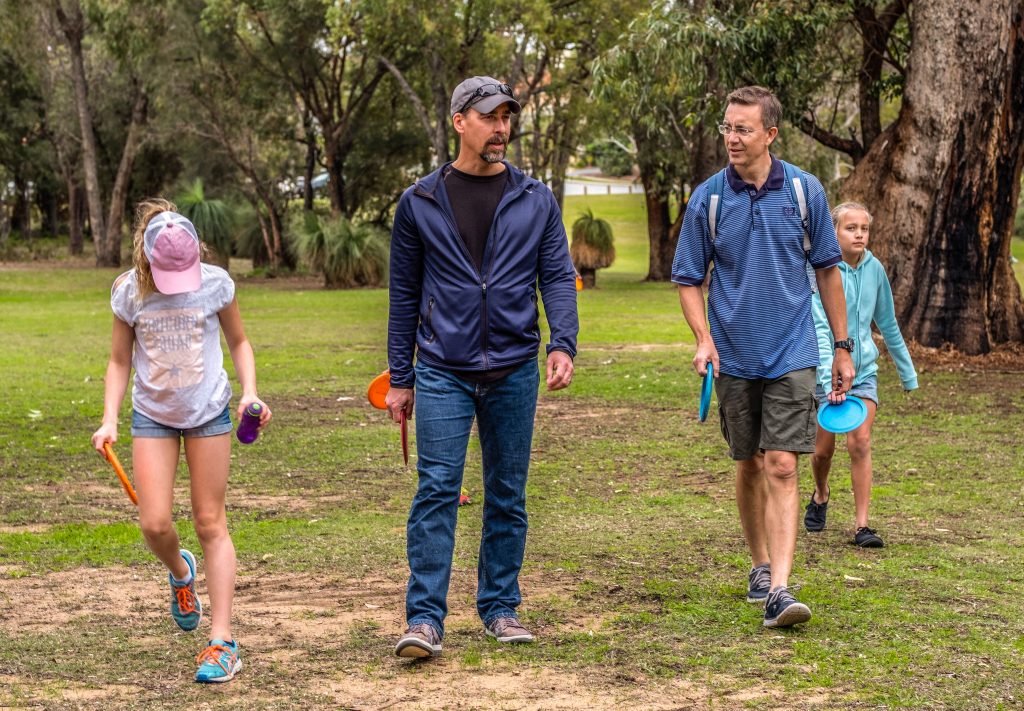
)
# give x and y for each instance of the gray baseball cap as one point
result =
(484, 94)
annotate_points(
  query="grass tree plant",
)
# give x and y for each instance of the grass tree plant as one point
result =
(348, 254)
(592, 247)
(212, 218)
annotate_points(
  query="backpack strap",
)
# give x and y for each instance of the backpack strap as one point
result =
(794, 179)
(717, 183)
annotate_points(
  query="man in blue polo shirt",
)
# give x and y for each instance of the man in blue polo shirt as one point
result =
(762, 344)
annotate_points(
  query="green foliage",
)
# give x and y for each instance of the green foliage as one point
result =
(348, 255)
(611, 157)
(593, 232)
(213, 219)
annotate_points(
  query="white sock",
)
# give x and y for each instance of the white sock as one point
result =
(182, 583)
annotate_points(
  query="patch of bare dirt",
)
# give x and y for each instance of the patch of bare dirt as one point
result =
(330, 636)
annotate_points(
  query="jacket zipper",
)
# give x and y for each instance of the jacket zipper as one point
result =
(469, 258)
(430, 319)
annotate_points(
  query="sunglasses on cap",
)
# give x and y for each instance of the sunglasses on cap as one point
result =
(485, 91)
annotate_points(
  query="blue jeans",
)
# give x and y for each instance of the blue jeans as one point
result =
(445, 408)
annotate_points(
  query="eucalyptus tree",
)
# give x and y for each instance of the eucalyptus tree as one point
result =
(555, 48)
(936, 144)
(250, 117)
(664, 95)
(115, 50)
(327, 54)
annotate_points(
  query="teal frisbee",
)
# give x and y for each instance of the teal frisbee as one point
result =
(844, 417)
(705, 393)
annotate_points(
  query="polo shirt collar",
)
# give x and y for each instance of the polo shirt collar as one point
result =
(776, 178)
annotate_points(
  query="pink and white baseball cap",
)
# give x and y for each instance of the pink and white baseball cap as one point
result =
(172, 248)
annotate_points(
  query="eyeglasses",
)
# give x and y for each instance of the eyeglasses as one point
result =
(741, 131)
(485, 91)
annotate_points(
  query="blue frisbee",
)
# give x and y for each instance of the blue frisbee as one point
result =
(705, 393)
(844, 417)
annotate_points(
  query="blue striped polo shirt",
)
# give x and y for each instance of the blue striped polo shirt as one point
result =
(759, 301)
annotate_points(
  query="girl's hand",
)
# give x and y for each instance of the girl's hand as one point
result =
(265, 415)
(106, 433)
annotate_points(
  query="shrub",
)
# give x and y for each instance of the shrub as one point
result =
(349, 255)
(212, 218)
(592, 247)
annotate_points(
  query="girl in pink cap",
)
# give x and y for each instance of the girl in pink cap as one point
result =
(168, 313)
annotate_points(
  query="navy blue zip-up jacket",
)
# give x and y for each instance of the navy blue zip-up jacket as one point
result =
(454, 316)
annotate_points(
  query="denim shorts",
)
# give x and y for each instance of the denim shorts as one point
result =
(142, 426)
(868, 390)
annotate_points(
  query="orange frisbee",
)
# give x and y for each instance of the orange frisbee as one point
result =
(119, 470)
(378, 390)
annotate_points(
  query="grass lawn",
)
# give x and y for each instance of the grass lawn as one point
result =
(636, 567)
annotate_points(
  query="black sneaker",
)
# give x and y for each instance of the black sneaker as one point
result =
(782, 609)
(760, 583)
(814, 516)
(867, 538)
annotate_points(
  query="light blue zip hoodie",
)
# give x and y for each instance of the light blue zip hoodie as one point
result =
(868, 298)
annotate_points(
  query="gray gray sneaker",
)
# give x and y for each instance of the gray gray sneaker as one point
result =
(760, 582)
(783, 610)
(419, 641)
(509, 630)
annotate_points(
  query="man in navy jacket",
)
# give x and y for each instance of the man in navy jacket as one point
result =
(471, 244)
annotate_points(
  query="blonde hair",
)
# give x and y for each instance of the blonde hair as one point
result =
(841, 209)
(146, 211)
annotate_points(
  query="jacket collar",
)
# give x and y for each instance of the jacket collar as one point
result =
(428, 185)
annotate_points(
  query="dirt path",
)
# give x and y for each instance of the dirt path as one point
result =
(324, 641)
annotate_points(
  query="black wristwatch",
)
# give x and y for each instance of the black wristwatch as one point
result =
(846, 345)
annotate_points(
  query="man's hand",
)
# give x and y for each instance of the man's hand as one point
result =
(560, 370)
(399, 399)
(706, 353)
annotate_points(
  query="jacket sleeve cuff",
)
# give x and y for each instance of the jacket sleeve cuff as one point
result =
(561, 349)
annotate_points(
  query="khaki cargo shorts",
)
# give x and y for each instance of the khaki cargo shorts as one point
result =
(760, 415)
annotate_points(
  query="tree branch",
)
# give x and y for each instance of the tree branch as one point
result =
(847, 145)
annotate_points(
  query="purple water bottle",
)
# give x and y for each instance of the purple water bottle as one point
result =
(249, 428)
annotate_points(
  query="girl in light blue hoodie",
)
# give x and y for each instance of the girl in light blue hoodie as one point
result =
(868, 300)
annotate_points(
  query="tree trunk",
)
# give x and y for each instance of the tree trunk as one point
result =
(437, 131)
(589, 277)
(335, 159)
(944, 179)
(119, 195)
(307, 187)
(75, 217)
(73, 28)
(21, 218)
(662, 234)
(48, 202)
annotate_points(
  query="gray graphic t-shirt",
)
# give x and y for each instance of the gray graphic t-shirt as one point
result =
(180, 379)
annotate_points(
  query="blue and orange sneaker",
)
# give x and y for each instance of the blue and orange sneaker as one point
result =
(219, 662)
(186, 609)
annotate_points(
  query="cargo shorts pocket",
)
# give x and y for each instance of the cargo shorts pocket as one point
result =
(739, 432)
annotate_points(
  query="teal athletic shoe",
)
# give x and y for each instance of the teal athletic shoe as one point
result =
(186, 609)
(218, 663)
